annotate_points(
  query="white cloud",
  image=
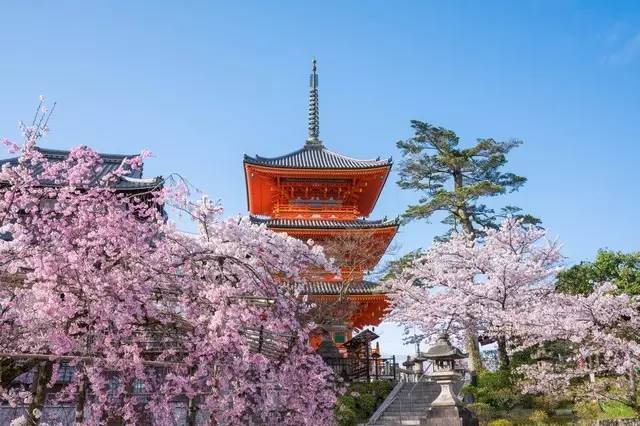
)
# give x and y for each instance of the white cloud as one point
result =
(628, 52)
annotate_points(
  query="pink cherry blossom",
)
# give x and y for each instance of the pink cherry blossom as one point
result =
(462, 283)
(99, 279)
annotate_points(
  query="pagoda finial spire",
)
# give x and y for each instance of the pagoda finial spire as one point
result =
(314, 116)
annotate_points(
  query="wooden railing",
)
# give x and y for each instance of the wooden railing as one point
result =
(364, 369)
(312, 212)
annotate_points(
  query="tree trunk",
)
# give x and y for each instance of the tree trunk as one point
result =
(81, 399)
(473, 349)
(472, 344)
(41, 377)
(192, 411)
(503, 357)
(633, 390)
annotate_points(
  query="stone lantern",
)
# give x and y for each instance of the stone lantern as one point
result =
(446, 409)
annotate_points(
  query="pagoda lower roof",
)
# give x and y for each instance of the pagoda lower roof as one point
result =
(337, 287)
(324, 224)
(316, 156)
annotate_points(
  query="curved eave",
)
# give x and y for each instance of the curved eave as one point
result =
(349, 289)
(334, 228)
(120, 186)
(360, 164)
(313, 224)
(352, 297)
(341, 171)
(389, 231)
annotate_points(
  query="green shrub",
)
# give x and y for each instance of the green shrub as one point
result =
(497, 389)
(538, 417)
(483, 411)
(347, 401)
(587, 410)
(616, 409)
(368, 403)
(500, 422)
(360, 401)
(345, 416)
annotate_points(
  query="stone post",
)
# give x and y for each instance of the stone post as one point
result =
(446, 409)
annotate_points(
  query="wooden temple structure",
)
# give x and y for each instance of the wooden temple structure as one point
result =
(314, 193)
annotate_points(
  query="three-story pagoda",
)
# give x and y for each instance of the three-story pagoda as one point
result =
(314, 193)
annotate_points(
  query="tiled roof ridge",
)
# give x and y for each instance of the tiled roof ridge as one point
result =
(316, 156)
(336, 287)
(309, 147)
(62, 153)
(134, 181)
(327, 223)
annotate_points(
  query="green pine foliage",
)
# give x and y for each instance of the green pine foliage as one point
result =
(454, 180)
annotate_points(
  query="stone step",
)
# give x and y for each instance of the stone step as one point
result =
(399, 407)
(418, 395)
(419, 391)
(397, 423)
(425, 401)
(415, 409)
(402, 420)
(411, 403)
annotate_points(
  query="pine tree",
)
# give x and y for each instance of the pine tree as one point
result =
(455, 180)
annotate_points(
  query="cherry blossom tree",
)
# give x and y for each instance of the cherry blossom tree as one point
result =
(601, 336)
(483, 284)
(585, 345)
(149, 318)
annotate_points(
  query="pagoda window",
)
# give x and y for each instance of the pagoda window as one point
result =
(65, 373)
(47, 204)
(339, 337)
(138, 387)
(316, 202)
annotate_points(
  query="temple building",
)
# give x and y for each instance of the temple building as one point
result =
(133, 183)
(317, 194)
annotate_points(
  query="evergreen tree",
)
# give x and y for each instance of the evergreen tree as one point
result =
(621, 269)
(455, 180)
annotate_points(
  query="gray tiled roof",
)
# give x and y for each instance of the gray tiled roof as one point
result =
(325, 224)
(358, 287)
(110, 163)
(316, 156)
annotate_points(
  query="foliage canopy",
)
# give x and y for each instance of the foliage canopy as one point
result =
(621, 269)
(454, 179)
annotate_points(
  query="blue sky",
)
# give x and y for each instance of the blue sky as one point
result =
(201, 83)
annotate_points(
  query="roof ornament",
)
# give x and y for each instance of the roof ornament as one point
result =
(314, 116)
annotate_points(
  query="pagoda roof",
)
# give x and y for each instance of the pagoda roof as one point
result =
(110, 162)
(316, 156)
(362, 339)
(323, 223)
(354, 288)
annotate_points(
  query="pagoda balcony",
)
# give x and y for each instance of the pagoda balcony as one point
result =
(336, 212)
